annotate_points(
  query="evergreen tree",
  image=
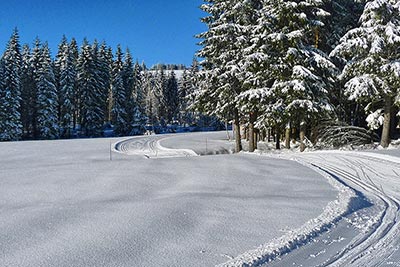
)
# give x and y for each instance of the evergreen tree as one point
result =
(287, 75)
(10, 93)
(221, 79)
(67, 85)
(63, 45)
(191, 94)
(101, 61)
(91, 110)
(119, 113)
(140, 119)
(371, 55)
(148, 85)
(129, 86)
(28, 94)
(343, 16)
(74, 53)
(159, 94)
(104, 70)
(35, 65)
(47, 100)
(171, 98)
(184, 98)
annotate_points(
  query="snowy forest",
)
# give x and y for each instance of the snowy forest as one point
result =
(322, 71)
(87, 91)
(316, 71)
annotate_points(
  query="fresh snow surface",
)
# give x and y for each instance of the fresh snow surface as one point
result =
(64, 203)
(361, 228)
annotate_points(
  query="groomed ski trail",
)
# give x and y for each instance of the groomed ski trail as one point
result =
(150, 147)
(367, 178)
(374, 178)
(377, 177)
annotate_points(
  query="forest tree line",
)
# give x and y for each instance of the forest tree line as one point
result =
(86, 88)
(291, 67)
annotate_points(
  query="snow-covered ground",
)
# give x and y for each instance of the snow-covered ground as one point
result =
(364, 228)
(64, 203)
(375, 179)
(158, 203)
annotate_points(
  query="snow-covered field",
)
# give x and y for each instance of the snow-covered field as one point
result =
(64, 203)
(157, 203)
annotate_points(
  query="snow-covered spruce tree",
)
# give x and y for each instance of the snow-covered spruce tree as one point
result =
(286, 75)
(119, 114)
(171, 97)
(67, 83)
(10, 93)
(35, 65)
(159, 90)
(139, 116)
(148, 85)
(223, 43)
(103, 65)
(2, 97)
(107, 57)
(187, 94)
(184, 97)
(28, 94)
(344, 16)
(129, 86)
(372, 72)
(91, 111)
(47, 100)
(74, 52)
(56, 69)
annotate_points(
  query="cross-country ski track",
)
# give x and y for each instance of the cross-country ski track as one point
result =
(170, 200)
(374, 210)
(376, 181)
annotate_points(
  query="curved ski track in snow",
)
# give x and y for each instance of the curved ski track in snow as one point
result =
(355, 175)
(150, 147)
(370, 173)
(378, 242)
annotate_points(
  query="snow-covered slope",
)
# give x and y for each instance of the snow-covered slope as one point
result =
(64, 203)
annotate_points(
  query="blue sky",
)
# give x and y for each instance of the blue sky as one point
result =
(156, 31)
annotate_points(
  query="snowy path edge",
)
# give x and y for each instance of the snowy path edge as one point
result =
(333, 212)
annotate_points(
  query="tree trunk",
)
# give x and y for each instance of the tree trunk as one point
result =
(256, 138)
(385, 139)
(287, 136)
(278, 139)
(227, 131)
(302, 136)
(238, 140)
(269, 135)
(252, 141)
(294, 135)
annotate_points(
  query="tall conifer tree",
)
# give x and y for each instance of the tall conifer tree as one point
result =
(10, 93)
(372, 72)
(47, 97)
